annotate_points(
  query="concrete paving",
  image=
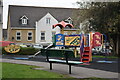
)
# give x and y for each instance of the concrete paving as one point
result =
(77, 72)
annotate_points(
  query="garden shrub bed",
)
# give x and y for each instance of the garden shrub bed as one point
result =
(23, 51)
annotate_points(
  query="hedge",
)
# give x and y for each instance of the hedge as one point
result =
(23, 51)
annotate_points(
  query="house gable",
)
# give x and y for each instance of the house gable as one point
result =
(45, 25)
(47, 19)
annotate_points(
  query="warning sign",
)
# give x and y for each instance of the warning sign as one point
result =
(72, 40)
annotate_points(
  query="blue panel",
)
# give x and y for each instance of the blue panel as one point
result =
(59, 40)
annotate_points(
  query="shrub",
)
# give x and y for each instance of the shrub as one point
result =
(23, 51)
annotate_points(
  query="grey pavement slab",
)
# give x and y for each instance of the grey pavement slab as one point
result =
(77, 72)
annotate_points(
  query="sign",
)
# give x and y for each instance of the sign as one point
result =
(97, 40)
(59, 40)
(12, 48)
(72, 40)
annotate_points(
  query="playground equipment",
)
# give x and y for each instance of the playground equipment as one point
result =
(85, 41)
(40, 51)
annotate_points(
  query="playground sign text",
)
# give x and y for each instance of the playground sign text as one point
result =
(72, 40)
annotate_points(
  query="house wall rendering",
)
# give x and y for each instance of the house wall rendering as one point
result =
(23, 35)
(44, 29)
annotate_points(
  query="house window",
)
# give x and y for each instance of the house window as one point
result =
(24, 20)
(29, 35)
(43, 35)
(18, 35)
(47, 20)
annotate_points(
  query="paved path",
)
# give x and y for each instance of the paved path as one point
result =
(77, 72)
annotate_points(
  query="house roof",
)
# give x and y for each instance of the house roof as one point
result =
(36, 13)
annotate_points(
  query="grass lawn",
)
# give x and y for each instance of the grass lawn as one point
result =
(99, 56)
(12, 71)
(25, 71)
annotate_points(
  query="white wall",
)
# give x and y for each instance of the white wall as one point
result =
(42, 26)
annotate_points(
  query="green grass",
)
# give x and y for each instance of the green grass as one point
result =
(12, 71)
(98, 56)
(26, 71)
(0, 70)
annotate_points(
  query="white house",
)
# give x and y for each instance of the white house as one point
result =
(44, 31)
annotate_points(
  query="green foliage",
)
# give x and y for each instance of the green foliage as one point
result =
(103, 17)
(23, 51)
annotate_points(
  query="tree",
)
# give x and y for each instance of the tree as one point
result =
(103, 17)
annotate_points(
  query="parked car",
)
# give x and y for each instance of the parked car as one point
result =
(28, 44)
(96, 50)
(23, 45)
(38, 46)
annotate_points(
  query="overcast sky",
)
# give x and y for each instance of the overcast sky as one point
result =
(43, 3)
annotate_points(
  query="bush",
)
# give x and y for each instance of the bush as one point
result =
(23, 51)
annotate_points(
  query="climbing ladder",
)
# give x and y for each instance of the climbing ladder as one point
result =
(86, 55)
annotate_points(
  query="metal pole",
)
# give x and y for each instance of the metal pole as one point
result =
(50, 66)
(69, 68)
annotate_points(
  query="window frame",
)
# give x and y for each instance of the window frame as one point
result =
(18, 35)
(48, 20)
(29, 35)
(42, 36)
(24, 21)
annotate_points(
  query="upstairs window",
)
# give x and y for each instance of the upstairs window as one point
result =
(30, 35)
(24, 20)
(48, 20)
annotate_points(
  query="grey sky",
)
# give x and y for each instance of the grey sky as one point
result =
(43, 3)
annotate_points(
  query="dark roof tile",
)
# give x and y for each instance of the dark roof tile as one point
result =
(36, 13)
